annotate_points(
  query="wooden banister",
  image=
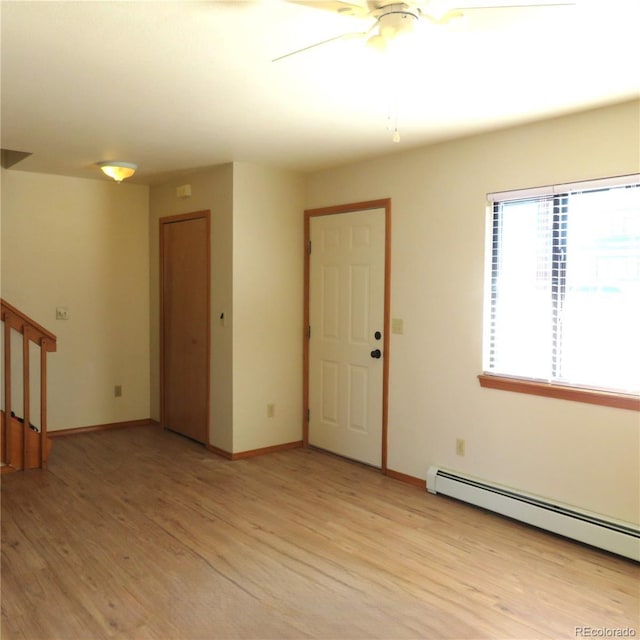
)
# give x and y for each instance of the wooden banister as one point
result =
(22, 448)
(36, 332)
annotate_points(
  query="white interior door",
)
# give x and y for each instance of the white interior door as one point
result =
(346, 318)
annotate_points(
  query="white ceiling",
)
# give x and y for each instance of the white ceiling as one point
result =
(174, 86)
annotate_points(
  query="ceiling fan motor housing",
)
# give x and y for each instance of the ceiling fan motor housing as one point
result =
(396, 20)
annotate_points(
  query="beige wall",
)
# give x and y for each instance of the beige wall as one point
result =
(212, 190)
(82, 244)
(580, 454)
(93, 246)
(256, 275)
(267, 306)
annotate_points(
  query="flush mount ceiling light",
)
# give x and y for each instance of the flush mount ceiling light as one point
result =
(118, 170)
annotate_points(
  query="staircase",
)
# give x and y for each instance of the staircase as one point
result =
(24, 445)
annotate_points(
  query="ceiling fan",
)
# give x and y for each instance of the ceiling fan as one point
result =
(390, 19)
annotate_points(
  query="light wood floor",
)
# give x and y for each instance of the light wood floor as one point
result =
(140, 533)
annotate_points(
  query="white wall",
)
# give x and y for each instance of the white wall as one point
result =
(212, 190)
(82, 244)
(584, 455)
(268, 264)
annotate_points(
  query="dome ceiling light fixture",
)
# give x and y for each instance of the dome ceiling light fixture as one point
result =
(117, 169)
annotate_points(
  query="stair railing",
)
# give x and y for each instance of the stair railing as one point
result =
(22, 448)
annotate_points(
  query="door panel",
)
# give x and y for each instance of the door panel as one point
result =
(185, 326)
(346, 309)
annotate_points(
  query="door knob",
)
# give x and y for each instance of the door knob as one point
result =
(376, 353)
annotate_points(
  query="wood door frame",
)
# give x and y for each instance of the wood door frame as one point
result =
(184, 217)
(355, 207)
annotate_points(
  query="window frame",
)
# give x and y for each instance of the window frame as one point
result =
(532, 386)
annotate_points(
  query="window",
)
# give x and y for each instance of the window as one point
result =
(563, 290)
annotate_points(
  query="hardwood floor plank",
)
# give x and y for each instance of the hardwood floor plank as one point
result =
(136, 534)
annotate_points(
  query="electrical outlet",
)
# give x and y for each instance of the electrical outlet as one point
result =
(271, 410)
(117, 391)
(459, 447)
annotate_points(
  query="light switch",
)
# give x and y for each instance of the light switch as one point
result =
(183, 191)
(397, 325)
(62, 313)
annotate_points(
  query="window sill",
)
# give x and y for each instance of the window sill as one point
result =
(577, 394)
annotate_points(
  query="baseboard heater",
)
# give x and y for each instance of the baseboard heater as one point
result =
(618, 537)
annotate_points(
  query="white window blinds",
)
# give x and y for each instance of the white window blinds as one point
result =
(563, 299)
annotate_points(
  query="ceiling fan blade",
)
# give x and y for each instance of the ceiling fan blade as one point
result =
(351, 8)
(510, 4)
(344, 36)
(443, 12)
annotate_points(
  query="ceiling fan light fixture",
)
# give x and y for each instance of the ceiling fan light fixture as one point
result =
(377, 43)
(118, 170)
(397, 23)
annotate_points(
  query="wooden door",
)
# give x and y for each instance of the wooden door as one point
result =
(184, 301)
(347, 342)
